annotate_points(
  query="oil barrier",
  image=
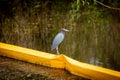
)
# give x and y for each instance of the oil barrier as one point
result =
(58, 61)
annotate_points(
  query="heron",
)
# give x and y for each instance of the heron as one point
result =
(58, 39)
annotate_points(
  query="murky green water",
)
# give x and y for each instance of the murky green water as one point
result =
(95, 42)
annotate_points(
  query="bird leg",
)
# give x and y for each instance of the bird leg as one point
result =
(57, 51)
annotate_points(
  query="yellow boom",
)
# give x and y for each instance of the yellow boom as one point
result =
(58, 61)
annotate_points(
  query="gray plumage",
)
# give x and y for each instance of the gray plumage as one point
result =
(58, 39)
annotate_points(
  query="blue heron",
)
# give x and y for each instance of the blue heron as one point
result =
(58, 39)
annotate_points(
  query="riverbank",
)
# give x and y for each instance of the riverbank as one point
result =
(11, 69)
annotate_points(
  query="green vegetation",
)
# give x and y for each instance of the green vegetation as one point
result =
(94, 27)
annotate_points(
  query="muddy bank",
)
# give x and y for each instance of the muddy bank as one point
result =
(7, 73)
(11, 69)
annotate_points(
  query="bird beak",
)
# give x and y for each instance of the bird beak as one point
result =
(66, 30)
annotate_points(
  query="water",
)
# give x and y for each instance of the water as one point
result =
(90, 42)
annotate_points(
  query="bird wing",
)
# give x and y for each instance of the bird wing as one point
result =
(57, 40)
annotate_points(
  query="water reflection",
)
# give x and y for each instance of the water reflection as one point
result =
(81, 51)
(95, 45)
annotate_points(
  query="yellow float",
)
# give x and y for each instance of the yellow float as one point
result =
(58, 61)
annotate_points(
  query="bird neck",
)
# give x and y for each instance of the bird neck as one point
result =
(62, 31)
